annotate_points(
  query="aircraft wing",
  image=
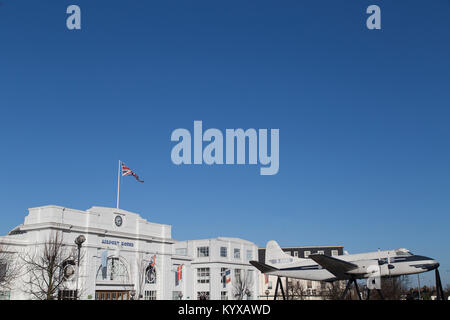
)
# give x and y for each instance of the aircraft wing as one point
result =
(264, 268)
(337, 267)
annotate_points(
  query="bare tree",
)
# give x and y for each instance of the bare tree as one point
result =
(296, 291)
(9, 268)
(142, 266)
(334, 290)
(50, 268)
(393, 288)
(243, 284)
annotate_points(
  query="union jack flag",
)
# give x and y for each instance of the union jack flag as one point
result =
(126, 171)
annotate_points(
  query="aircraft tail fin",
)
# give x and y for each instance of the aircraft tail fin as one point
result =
(274, 254)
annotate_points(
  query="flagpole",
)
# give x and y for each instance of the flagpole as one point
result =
(118, 185)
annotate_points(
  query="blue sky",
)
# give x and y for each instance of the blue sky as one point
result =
(363, 117)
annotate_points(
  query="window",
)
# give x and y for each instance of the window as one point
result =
(4, 295)
(202, 252)
(223, 295)
(237, 253)
(403, 252)
(320, 252)
(307, 253)
(250, 276)
(67, 295)
(334, 252)
(309, 284)
(149, 295)
(237, 273)
(181, 251)
(203, 275)
(223, 252)
(296, 254)
(177, 295)
(3, 268)
(249, 254)
(203, 295)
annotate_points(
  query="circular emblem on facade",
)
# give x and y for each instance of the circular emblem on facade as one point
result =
(118, 221)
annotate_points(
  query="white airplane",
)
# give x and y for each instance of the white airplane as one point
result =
(320, 267)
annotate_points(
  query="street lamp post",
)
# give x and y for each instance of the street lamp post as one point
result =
(267, 293)
(79, 242)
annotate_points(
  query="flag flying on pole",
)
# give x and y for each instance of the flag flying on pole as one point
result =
(126, 171)
(226, 277)
(153, 261)
(180, 273)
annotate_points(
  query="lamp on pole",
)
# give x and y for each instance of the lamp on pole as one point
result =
(267, 293)
(79, 242)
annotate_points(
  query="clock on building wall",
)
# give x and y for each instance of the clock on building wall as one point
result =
(118, 221)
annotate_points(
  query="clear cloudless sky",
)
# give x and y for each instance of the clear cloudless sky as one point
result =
(363, 117)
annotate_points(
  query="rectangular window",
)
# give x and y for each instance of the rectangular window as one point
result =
(223, 295)
(237, 273)
(223, 252)
(320, 252)
(149, 295)
(4, 295)
(237, 253)
(202, 252)
(250, 276)
(296, 254)
(177, 295)
(334, 252)
(3, 268)
(181, 251)
(66, 295)
(249, 254)
(309, 284)
(307, 253)
(203, 295)
(203, 275)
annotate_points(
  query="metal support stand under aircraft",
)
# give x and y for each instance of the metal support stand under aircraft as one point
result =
(439, 291)
(349, 284)
(280, 284)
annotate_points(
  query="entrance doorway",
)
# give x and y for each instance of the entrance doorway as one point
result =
(112, 295)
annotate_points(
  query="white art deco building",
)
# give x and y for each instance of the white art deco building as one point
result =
(124, 256)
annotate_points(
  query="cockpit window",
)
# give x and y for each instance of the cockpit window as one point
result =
(403, 252)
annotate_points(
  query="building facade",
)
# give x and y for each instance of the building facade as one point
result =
(123, 256)
(299, 289)
(221, 268)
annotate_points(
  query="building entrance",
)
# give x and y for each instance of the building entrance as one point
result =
(112, 295)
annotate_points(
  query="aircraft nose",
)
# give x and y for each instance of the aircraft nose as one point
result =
(433, 264)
